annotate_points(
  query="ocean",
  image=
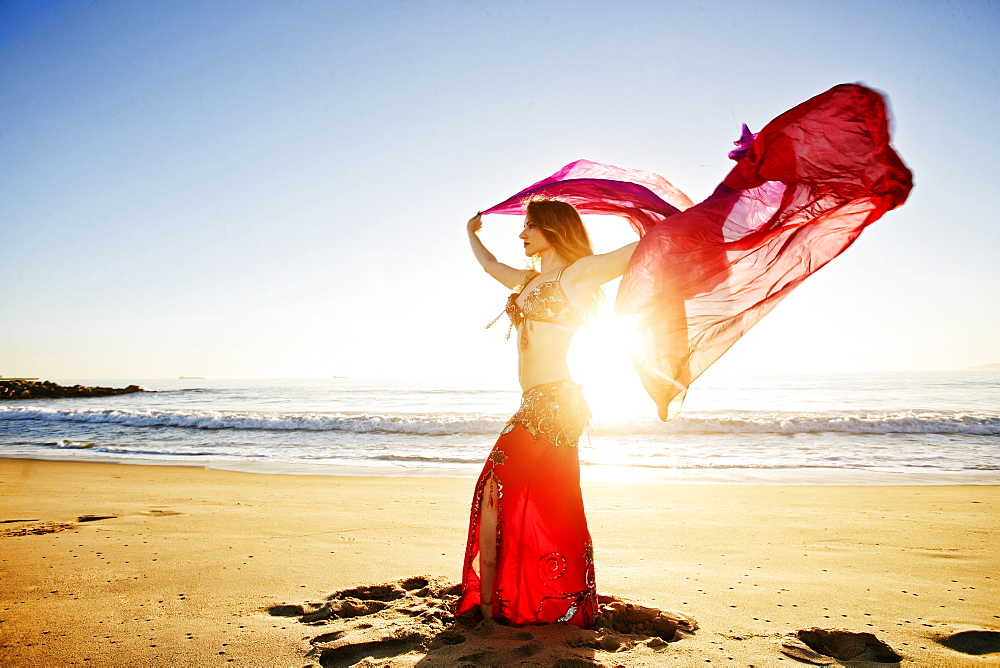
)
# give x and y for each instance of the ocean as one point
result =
(848, 428)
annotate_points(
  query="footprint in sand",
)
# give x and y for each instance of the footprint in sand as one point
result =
(823, 647)
(410, 622)
(973, 642)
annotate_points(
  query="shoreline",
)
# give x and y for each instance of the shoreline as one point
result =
(590, 473)
(191, 557)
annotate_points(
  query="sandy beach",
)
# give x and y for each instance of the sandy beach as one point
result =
(187, 561)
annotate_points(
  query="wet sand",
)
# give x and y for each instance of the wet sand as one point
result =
(188, 565)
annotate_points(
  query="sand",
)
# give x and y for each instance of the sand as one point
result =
(198, 567)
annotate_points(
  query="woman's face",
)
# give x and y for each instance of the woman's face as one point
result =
(533, 238)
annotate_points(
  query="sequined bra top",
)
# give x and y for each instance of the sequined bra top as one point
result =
(546, 302)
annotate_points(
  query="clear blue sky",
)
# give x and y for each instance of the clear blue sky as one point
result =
(280, 188)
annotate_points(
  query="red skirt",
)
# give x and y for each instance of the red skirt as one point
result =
(544, 556)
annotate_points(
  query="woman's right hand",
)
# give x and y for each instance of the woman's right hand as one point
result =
(507, 275)
(475, 223)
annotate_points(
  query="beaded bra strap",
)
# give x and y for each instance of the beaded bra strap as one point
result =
(530, 275)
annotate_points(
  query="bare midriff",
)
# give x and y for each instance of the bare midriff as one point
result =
(542, 349)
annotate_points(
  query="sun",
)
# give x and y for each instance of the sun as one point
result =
(600, 359)
(601, 350)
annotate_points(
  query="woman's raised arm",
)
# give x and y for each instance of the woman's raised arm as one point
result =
(506, 274)
(599, 269)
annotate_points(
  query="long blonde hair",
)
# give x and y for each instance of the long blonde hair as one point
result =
(562, 226)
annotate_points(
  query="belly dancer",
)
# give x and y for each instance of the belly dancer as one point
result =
(529, 558)
(802, 190)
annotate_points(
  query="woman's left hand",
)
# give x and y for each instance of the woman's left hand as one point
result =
(475, 223)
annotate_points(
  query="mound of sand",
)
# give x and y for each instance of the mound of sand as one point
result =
(409, 622)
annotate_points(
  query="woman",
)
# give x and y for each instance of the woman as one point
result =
(529, 558)
(802, 191)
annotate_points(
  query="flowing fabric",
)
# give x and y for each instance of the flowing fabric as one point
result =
(802, 191)
(544, 557)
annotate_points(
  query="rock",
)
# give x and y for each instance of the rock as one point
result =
(37, 529)
(28, 389)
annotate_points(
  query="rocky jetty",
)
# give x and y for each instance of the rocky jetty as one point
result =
(29, 389)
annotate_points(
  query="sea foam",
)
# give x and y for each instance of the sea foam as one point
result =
(437, 424)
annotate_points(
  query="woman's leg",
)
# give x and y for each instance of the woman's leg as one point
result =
(488, 545)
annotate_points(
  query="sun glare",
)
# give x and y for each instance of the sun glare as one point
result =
(600, 355)
(600, 359)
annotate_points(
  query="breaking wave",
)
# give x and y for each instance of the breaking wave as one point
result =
(437, 424)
